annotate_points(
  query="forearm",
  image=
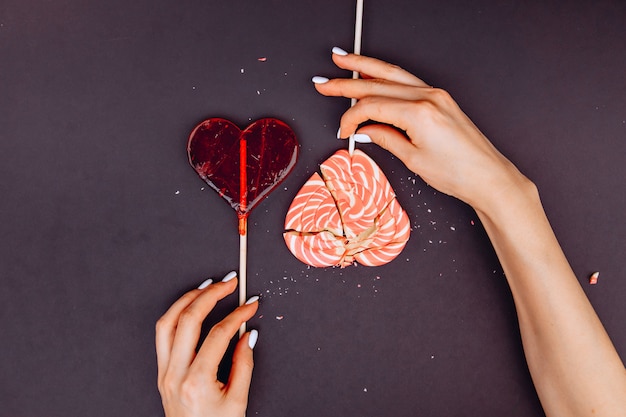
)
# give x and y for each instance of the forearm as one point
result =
(573, 363)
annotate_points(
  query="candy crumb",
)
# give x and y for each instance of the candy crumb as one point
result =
(593, 279)
(262, 59)
(279, 317)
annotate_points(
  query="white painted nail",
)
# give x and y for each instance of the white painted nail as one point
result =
(338, 51)
(229, 276)
(362, 138)
(252, 339)
(205, 284)
(339, 133)
(252, 300)
(319, 79)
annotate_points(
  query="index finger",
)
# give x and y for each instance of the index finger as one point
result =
(375, 68)
(189, 325)
(178, 330)
(398, 113)
(166, 329)
(361, 88)
(389, 110)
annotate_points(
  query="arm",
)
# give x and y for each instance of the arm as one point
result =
(574, 366)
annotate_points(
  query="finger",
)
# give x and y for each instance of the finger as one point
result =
(189, 325)
(241, 372)
(376, 68)
(214, 346)
(166, 329)
(402, 114)
(392, 140)
(360, 88)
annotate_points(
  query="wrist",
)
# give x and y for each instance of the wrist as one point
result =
(509, 201)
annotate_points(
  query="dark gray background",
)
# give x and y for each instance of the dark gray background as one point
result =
(103, 223)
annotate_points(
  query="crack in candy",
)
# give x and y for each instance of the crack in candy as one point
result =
(347, 214)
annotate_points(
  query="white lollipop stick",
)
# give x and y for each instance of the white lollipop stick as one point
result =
(243, 272)
(358, 31)
(243, 227)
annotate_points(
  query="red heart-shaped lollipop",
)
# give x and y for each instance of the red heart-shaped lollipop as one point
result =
(242, 166)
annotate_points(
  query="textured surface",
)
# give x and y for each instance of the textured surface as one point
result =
(267, 149)
(103, 224)
(348, 214)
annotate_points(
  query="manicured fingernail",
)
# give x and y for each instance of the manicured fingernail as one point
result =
(338, 51)
(319, 79)
(362, 138)
(252, 300)
(339, 133)
(229, 276)
(205, 284)
(252, 339)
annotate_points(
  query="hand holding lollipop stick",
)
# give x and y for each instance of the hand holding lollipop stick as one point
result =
(243, 167)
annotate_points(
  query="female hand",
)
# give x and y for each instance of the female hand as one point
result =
(188, 381)
(443, 146)
(558, 324)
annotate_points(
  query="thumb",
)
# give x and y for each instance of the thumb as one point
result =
(241, 371)
(391, 139)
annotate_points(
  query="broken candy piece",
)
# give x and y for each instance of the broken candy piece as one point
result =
(349, 213)
(593, 279)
